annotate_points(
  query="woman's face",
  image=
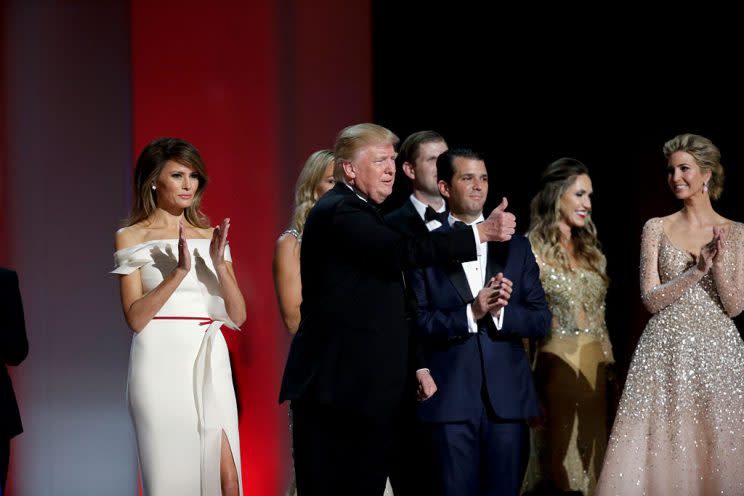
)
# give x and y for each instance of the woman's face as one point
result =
(684, 175)
(327, 182)
(576, 202)
(176, 186)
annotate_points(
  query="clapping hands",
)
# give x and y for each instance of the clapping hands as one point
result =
(219, 242)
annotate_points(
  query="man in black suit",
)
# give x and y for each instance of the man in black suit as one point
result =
(423, 211)
(13, 349)
(348, 362)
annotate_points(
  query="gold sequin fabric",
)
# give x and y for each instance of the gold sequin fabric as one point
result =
(569, 371)
(679, 429)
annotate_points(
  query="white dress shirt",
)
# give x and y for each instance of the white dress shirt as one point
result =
(475, 272)
(421, 209)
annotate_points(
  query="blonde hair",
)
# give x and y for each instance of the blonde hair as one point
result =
(706, 154)
(149, 166)
(545, 216)
(352, 138)
(305, 190)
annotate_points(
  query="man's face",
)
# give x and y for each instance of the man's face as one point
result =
(467, 193)
(373, 171)
(424, 170)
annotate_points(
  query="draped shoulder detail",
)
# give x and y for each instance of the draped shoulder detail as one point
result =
(129, 259)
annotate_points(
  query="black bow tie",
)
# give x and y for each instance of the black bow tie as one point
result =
(430, 214)
(458, 224)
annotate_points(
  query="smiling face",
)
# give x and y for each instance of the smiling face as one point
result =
(685, 177)
(468, 190)
(576, 203)
(372, 171)
(176, 186)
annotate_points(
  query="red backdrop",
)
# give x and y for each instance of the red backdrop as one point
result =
(233, 79)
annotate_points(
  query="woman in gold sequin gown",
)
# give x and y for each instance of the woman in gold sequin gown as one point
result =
(568, 444)
(680, 424)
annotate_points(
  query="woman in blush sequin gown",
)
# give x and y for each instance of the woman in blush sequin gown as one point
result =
(569, 442)
(680, 424)
(178, 288)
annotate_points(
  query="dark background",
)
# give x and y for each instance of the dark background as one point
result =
(526, 87)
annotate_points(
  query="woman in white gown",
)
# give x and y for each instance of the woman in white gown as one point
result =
(679, 429)
(177, 290)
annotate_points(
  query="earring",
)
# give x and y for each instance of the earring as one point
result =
(153, 187)
(705, 187)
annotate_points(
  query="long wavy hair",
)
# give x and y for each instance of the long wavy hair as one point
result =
(149, 166)
(544, 232)
(310, 177)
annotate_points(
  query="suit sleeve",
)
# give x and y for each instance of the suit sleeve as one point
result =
(13, 341)
(367, 236)
(435, 324)
(528, 316)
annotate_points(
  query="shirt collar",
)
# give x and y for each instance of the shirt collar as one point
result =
(451, 219)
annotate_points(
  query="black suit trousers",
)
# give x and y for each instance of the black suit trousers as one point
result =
(337, 452)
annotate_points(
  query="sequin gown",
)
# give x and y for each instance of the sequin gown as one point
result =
(180, 388)
(570, 379)
(679, 429)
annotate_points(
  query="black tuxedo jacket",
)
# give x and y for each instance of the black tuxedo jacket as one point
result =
(351, 349)
(406, 220)
(13, 349)
(491, 365)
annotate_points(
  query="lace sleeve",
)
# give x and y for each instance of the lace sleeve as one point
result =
(654, 294)
(729, 273)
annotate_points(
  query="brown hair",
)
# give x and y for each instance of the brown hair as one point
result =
(544, 232)
(149, 166)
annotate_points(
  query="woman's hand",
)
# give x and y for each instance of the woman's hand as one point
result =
(219, 242)
(184, 256)
(719, 237)
(709, 252)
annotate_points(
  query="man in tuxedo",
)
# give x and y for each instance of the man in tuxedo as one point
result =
(423, 211)
(13, 349)
(348, 362)
(471, 319)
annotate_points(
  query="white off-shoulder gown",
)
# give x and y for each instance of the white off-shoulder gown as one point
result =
(180, 388)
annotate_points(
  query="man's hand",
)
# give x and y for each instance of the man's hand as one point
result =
(426, 386)
(499, 226)
(485, 300)
(504, 288)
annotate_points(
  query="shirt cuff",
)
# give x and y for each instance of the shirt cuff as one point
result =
(472, 324)
(499, 321)
(424, 369)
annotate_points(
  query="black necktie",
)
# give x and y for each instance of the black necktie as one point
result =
(458, 224)
(430, 214)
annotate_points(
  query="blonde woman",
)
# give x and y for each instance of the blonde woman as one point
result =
(315, 179)
(679, 429)
(570, 364)
(178, 289)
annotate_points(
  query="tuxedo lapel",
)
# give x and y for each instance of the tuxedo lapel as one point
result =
(415, 223)
(497, 253)
(457, 277)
